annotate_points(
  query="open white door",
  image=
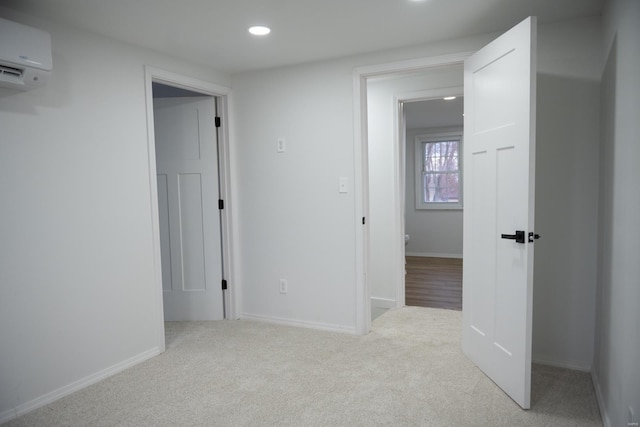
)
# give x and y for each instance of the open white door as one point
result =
(187, 168)
(499, 180)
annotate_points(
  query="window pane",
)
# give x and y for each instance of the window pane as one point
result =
(441, 187)
(441, 156)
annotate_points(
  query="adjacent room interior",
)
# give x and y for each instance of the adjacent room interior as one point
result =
(433, 243)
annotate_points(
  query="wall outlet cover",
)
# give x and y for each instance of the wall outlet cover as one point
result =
(283, 286)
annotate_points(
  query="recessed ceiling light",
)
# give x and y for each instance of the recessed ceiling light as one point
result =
(259, 30)
(449, 98)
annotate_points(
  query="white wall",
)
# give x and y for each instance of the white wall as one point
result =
(432, 232)
(617, 349)
(77, 293)
(293, 222)
(566, 195)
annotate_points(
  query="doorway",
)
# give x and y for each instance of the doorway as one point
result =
(190, 205)
(186, 145)
(432, 136)
(500, 91)
(386, 197)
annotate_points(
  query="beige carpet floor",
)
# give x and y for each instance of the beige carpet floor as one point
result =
(409, 371)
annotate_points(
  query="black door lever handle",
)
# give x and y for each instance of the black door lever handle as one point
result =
(518, 237)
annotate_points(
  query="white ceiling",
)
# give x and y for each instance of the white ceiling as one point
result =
(434, 113)
(214, 32)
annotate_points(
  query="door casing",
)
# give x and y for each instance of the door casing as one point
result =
(221, 94)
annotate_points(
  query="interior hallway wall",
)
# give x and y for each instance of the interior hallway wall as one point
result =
(77, 293)
(569, 64)
(617, 348)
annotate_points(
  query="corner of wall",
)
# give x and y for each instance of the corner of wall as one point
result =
(601, 406)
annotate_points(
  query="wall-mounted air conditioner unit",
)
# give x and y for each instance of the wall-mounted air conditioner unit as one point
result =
(25, 56)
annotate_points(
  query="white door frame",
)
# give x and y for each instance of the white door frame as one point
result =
(361, 167)
(221, 94)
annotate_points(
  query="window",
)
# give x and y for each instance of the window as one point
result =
(439, 171)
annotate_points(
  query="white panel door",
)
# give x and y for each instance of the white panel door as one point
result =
(190, 241)
(499, 167)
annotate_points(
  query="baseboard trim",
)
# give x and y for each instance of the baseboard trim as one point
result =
(600, 400)
(299, 323)
(433, 255)
(572, 364)
(76, 385)
(383, 302)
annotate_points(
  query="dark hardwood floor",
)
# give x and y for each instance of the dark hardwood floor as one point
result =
(434, 282)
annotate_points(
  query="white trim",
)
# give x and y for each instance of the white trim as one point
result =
(155, 215)
(431, 94)
(184, 82)
(399, 167)
(361, 200)
(606, 422)
(224, 173)
(299, 323)
(383, 302)
(434, 255)
(76, 385)
(234, 272)
(418, 64)
(574, 365)
(220, 93)
(361, 173)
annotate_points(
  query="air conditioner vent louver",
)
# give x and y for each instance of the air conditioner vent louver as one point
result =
(11, 71)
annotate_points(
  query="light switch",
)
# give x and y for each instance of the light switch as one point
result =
(343, 185)
(281, 145)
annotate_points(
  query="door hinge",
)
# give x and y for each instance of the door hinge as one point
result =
(218, 122)
(220, 204)
(363, 221)
(224, 285)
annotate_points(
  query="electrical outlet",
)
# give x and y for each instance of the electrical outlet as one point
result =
(283, 286)
(281, 145)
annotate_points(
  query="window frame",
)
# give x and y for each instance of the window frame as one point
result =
(455, 134)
